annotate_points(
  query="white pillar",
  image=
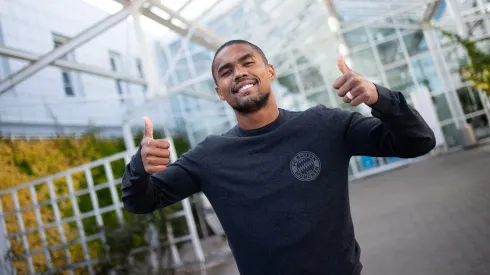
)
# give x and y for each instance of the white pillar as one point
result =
(442, 71)
(128, 136)
(149, 67)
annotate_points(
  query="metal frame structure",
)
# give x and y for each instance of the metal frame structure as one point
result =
(296, 34)
(55, 199)
(134, 9)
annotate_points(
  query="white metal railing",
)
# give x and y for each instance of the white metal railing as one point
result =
(60, 223)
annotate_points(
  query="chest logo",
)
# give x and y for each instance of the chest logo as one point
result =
(305, 166)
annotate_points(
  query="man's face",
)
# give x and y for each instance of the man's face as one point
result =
(243, 79)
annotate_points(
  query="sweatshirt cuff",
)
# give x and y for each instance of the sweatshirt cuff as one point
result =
(137, 166)
(385, 102)
(136, 177)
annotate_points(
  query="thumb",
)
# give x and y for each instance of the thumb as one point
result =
(341, 64)
(148, 127)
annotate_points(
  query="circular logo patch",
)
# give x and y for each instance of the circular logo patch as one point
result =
(305, 166)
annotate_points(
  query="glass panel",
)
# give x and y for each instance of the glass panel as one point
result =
(311, 78)
(470, 100)
(364, 63)
(455, 59)
(356, 37)
(390, 51)
(175, 46)
(405, 19)
(380, 34)
(281, 63)
(426, 74)
(206, 87)
(289, 82)
(183, 74)
(69, 91)
(366, 162)
(399, 79)
(450, 134)
(200, 135)
(67, 83)
(319, 98)
(415, 43)
(202, 62)
(485, 44)
(442, 107)
(480, 125)
(300, 59)
(113, 65)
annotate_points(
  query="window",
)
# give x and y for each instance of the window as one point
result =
(67, 76)
(139, 68)
(116, 66)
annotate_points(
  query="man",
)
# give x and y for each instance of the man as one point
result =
(278, 179)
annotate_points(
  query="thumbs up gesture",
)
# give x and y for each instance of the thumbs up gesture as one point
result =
(353, 88)
(154, 153)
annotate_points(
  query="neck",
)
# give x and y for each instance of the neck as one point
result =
(260, 118)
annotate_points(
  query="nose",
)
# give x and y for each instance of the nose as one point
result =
(240, 73)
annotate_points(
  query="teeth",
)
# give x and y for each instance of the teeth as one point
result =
(245, 87)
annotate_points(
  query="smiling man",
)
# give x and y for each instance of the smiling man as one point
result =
(278, 180)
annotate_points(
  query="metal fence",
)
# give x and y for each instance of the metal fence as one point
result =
(43, 219)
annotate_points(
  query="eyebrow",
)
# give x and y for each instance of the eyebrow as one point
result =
(241, 59)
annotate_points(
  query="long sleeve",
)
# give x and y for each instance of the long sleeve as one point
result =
(395, 129)
(143, 193)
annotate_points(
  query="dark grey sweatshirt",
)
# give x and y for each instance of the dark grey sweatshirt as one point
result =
(281, 191)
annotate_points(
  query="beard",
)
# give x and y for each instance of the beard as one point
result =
(251, 104)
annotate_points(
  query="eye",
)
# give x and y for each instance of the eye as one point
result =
(248, 63)
(226, 73)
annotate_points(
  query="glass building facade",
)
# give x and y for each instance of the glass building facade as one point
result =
(387, 42)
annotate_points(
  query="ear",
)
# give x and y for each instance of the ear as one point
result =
(220, 94)
(272, 72)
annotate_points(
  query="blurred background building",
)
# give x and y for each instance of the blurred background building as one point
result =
(103, 83)
(70, 66)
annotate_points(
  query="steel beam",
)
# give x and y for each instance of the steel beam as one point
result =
(213, 44)
(184, 6)
(430, 10)
(167, 23)
(408, 26)
(201, 29)
(65, 64)
(64, 49)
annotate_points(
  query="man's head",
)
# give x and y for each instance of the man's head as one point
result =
(242, 75)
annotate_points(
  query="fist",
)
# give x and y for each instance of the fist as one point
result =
(154, 153)
(353, 88)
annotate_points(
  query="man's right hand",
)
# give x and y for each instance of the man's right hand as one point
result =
(154, 153)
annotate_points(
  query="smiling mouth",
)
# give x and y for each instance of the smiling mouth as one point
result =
(245, 88)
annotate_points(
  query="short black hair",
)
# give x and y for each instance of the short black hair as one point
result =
(233, 42)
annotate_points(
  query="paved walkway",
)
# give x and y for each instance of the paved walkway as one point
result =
(430, 218)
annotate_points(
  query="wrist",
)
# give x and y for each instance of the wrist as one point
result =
(373, 99)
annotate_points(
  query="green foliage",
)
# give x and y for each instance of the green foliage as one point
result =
(478, 71)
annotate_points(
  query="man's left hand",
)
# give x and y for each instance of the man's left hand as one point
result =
(353, 87)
